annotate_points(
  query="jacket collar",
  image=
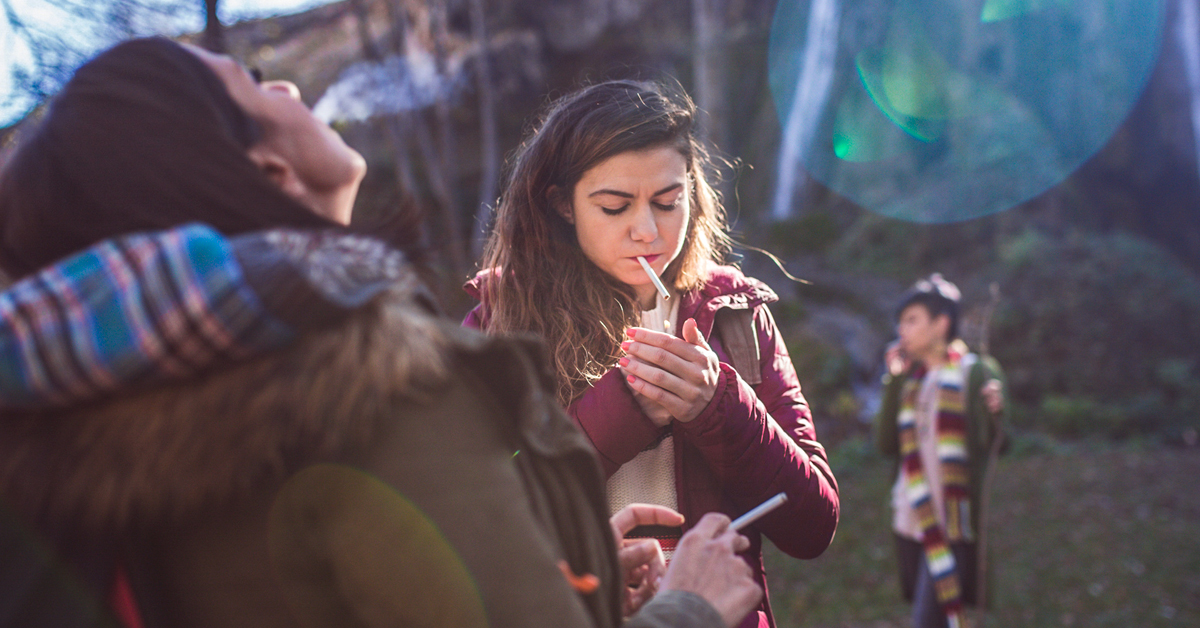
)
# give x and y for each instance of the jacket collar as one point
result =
(725, 287)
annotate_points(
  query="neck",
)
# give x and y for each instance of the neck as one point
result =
(647, 299)
(936, 356)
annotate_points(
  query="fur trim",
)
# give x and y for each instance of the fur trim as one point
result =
(166, 453)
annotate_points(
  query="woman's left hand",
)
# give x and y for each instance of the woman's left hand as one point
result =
(678, 373)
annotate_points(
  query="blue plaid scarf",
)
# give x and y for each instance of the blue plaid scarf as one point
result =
(146, 308)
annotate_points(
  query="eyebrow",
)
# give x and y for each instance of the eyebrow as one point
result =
(628, 195)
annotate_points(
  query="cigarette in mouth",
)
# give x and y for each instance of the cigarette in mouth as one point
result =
(653, 277)
(758, 512)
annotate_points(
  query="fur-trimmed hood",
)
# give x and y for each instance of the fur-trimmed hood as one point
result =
(166, 453)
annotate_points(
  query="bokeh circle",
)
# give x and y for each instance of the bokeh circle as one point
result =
(939, 111)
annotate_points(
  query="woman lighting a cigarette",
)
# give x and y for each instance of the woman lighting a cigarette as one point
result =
(608, 195)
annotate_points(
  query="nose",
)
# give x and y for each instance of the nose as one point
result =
(286, 87)
(644, 227)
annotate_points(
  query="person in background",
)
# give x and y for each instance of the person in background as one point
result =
(941, 414)
(688, 397)
(262, 420)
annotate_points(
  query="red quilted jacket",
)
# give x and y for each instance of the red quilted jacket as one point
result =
(748, 444)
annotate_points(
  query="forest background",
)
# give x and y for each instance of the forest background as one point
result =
(1089, 228)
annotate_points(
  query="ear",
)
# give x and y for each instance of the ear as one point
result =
(563, 206)
(278, 170)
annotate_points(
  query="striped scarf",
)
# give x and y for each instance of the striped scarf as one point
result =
(145, 308)
(951, 430)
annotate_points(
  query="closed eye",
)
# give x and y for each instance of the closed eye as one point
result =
(613, 211)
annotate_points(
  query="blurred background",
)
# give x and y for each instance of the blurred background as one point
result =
(1044, 147)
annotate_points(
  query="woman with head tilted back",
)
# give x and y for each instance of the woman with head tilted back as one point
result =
(221, 426)
(615, 172)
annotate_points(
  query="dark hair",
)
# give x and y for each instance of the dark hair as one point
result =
(938, 296)
(545, 284)
(144, 136)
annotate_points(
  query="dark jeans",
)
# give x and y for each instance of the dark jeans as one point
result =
(917, 586)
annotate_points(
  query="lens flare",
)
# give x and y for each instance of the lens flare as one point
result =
(946, 110)
(341, 538)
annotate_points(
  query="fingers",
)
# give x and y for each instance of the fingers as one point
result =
(686, 350)
(635, 515)
(691, 333)
(661, 357)
(641, 556)
(711, 525)
(656, 375)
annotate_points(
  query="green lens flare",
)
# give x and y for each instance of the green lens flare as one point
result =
(946, 110)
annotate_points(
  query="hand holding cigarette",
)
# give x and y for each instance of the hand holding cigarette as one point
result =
(706, 563)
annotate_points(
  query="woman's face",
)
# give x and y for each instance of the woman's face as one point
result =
(307, 159)
(632, 204)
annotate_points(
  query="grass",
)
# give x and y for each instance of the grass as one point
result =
(1083, 534)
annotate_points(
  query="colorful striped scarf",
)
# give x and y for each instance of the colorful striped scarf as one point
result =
(951, 428)
(146, 308)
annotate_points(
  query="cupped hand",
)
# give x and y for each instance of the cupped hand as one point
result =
(641, 560)
(679, 374)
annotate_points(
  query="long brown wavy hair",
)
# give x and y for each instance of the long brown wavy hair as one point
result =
(541, 280)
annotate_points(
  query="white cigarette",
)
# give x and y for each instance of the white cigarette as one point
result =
(758, 512)
(653, 277)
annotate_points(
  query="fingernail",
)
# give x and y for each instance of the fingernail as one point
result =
(625, 345)
(629, 332)
(623, 362)
(630, 379)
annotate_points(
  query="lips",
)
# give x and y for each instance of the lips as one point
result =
(649, 258)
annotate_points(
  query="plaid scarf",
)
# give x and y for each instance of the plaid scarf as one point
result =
(950, 424)
(146, 308)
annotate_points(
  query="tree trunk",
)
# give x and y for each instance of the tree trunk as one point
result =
(489, 175)
(362, 18)
(454, 232)
(214, 31)
(708, 18)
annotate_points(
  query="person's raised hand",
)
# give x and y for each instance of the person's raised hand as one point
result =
(680, 374)
(993, 396)
(895, 360)
(641, 559)
(706, 563)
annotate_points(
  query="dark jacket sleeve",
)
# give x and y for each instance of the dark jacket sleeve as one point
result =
(762, 441)
(887, 437)
(676, 609)
(987, 427)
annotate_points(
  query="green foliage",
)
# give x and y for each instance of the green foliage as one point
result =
(1082, 534)
(812, 233)
(879, 245)
(826, 372)
(1080, 416)
(1099, 334)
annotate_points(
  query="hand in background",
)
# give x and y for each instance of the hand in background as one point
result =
(993, 395)
(706, 563)
(641, 559)
(895, 360)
